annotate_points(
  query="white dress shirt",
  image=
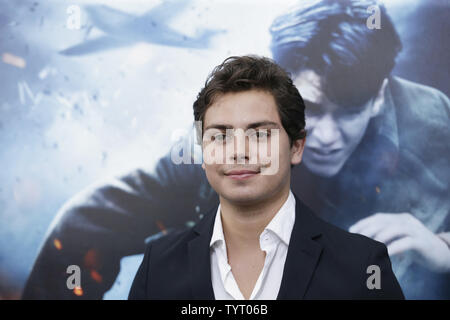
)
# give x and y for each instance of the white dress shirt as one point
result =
(274, 240)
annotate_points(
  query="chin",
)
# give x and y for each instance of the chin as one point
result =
(242, 197)
(328, 171)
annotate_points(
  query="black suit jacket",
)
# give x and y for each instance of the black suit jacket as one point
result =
(323, 262)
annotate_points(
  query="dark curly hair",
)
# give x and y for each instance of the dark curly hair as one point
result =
(331, 37)
(241, 73)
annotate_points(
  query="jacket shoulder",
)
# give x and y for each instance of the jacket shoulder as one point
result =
(420, 104)
(352, 259)
(171, 240)
(344, 242)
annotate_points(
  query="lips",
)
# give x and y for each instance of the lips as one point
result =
(324, 152)
(241, 174)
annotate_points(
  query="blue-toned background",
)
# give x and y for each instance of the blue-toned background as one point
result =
(70, 118)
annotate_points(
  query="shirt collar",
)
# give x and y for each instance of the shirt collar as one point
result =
(281, 224)
(217, 235)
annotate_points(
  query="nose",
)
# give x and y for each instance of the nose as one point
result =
(240, 152)
(326, 131)
(241, 146)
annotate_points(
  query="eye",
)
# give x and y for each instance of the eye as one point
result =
(219, 137)
(312, 109)
(262, 134)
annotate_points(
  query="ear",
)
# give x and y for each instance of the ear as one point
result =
(379, 99)
(297, 151)
(203, 165)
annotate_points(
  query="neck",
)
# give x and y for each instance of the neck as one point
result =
(244, 223)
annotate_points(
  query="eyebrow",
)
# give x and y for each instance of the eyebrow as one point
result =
(250, 126)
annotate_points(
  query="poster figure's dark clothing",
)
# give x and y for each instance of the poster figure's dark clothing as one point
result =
(401, 165)
(322, 262)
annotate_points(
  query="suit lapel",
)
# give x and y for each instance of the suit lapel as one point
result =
(199, 258)
(301, 261)
(303, 254)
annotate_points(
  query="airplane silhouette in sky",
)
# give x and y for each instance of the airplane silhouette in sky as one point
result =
(122, 29)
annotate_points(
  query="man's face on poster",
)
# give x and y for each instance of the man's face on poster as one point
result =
(334, 131)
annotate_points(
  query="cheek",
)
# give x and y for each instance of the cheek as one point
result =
(310, 122)
(212, 173)
(260, 152)
(353, 129)
(278, 156)
(214, 153)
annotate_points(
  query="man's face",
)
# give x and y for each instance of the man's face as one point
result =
(249, 114)
(334, 131)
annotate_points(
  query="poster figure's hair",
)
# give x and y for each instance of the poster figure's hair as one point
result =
(242, 73)
(332, 38)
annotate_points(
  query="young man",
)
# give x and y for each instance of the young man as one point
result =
(386, 161)
(261, 241)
